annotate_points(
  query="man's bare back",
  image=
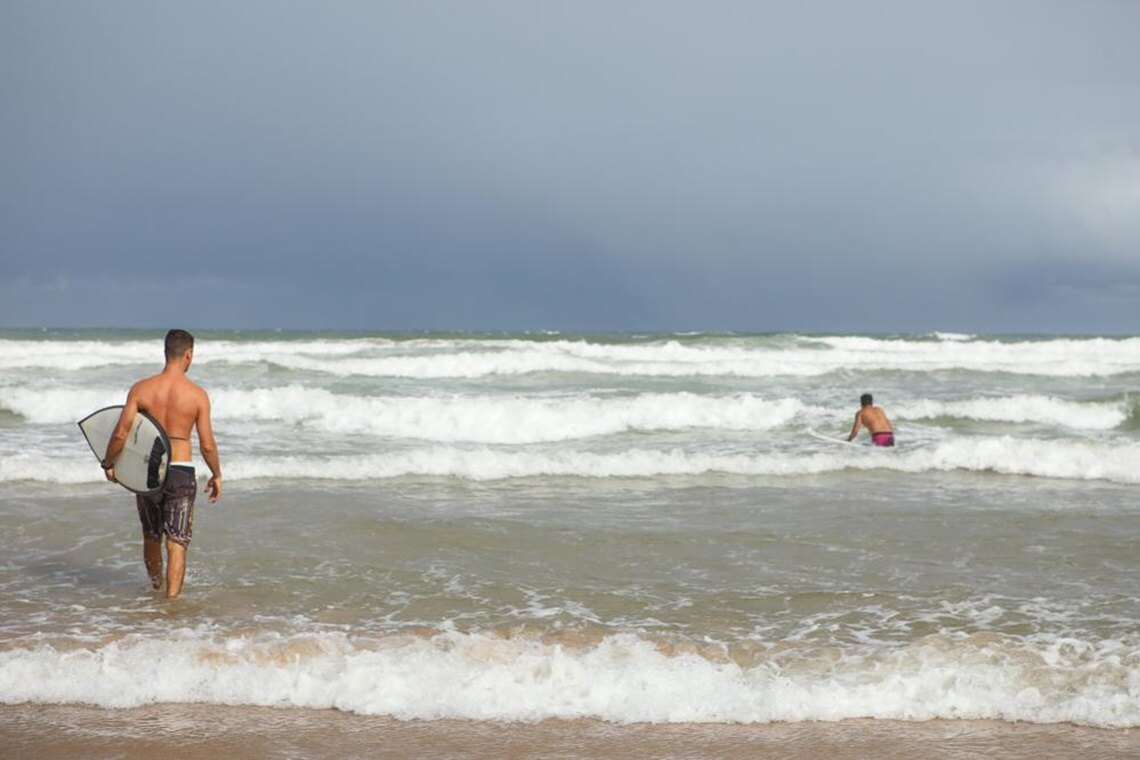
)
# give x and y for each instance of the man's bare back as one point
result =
(875, 420)
(176, 403)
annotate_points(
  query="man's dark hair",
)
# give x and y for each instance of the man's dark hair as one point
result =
(865, 399)
(178, 342)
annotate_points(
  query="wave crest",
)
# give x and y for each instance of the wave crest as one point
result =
(621, 678)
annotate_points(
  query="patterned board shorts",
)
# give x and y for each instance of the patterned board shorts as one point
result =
(171, 510)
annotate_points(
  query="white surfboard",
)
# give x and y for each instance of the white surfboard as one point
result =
(141, 467)
(845, 442)
(828, 438)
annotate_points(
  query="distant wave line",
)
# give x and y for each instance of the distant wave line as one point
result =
(804, 356)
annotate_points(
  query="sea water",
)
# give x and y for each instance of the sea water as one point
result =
(631, 528)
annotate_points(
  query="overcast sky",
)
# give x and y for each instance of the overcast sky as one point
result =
(844, 166)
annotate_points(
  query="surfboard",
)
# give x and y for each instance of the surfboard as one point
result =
(860, 444)
(141, 467)
(828, 438)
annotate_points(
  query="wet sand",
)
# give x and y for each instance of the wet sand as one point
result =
(198, 731)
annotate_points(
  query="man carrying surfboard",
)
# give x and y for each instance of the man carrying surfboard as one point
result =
(179, 406)
(875, 420)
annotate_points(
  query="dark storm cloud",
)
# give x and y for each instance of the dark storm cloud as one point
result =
(869, 166)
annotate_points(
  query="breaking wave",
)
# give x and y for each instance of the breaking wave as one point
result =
(622, 678)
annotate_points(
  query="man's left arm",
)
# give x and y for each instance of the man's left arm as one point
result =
(208, 447)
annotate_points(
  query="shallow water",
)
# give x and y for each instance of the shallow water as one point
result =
(631, 529)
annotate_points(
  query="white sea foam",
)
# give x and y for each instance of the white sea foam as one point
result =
(1066, 459)
(732, 357)
(811, 357)
(507, 420)
(530, 419)
(57, 405)
(1078, 460)
(1047, 410)
(74, 355)
(623, 678)
(481, 419)
(1058, 357)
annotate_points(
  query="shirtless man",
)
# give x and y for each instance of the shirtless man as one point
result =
(875, 420)
(179, 406)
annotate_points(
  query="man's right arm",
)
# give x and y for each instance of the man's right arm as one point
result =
(209, 449)
(122, 430)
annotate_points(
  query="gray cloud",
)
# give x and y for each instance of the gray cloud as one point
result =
(871, 166)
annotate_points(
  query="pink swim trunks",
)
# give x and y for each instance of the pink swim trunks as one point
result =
(883, 439)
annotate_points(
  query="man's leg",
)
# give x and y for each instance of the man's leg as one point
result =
(178, 523)
(152, 557)
(175, 568)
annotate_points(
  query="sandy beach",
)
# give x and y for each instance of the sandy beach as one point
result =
(197, 731)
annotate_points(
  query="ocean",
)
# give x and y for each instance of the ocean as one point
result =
(509, 533)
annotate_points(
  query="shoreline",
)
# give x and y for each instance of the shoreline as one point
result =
(210, 731)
